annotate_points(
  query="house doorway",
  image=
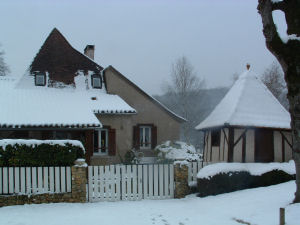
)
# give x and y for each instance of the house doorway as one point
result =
(264, 145)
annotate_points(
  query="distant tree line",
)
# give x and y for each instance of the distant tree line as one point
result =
(186, 95)
(4, 69)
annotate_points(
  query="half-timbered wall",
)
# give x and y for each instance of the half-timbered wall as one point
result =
(238, 148)
(244, 146)
(250, 144)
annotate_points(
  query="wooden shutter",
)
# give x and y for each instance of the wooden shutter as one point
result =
(153, 137)
(136, 137)
(112, 142)
(89, 150)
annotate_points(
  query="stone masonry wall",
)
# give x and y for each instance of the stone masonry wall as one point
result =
(181, 180)
(78, 194)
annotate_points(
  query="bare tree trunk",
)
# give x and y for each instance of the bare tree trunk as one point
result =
(288, 55)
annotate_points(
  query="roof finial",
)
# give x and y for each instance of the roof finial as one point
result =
(248, 66)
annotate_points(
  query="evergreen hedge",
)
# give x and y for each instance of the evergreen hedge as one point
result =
(233, 181)
(40, 155)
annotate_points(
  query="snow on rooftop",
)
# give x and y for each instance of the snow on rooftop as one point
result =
(44, 106)
(248, 103)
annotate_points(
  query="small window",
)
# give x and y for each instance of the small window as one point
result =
(145, 137)
(40, 80)
(101, 142)
(96, 81)
(215, 138)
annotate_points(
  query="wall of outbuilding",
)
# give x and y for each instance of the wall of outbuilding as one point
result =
(282, 149)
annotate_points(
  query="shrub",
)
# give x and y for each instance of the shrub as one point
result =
(170, 151)
(42, 154)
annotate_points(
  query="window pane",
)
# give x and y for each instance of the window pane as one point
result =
(40, 79)
(103, 141)
(96, 141)
(96, 82)
(141, 136)
(147, 136)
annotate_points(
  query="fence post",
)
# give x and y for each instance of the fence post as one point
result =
(181, 179)
(282, 216)
(79, 180)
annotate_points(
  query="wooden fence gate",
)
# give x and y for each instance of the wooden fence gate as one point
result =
(130, 182)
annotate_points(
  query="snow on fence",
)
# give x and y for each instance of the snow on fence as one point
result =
(34, 180)
(194, 168)
(130, 182)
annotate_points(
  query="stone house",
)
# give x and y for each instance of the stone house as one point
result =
(248, 125)
(66, 95)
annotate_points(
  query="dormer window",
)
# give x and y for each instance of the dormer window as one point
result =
(40, 79)
(96, 81)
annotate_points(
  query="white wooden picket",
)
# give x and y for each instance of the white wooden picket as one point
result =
(194, 168)
(130, 182)
(34, 180)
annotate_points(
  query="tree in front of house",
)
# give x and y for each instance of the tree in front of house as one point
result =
(287, 53)
(184, 86)
(273, 78)
(4, 69)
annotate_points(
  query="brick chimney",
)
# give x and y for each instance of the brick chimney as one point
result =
(248, 66)
(89, 51)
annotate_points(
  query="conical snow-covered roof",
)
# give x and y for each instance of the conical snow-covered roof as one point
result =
(248, 103)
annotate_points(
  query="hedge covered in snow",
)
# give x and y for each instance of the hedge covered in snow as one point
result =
(255, 169)
(221, 178)
(172, 151)
(20, 152)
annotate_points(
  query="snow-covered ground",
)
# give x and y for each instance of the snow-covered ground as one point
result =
(255, 206)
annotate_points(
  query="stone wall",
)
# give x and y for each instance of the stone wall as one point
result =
(78, 194)
(181, 180)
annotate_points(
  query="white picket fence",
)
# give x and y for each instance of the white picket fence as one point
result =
(34, 180)
(194, 168)
(130, 182)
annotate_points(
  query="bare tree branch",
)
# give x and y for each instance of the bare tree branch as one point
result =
(4, 69)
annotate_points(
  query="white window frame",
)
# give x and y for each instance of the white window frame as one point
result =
(143, 138)
(100, 80)
(38, 78)
(99, 142)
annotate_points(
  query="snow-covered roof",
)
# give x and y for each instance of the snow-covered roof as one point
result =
(248, 103)
(65, 107)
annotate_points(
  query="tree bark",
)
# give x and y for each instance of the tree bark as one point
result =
(288, 55)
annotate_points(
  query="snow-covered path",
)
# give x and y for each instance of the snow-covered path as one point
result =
(257, 206)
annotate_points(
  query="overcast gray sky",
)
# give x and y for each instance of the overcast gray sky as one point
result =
(142, 38)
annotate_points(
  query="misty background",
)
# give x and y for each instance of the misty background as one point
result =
(142, 39)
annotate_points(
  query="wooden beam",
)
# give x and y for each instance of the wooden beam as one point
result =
(225, 135)
(240, 137)
(285, 138)
(282, 148)
(244, 148)
(230, 144)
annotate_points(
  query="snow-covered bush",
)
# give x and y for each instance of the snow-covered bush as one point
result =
(221, 178)
(172, 151)
(19, 152)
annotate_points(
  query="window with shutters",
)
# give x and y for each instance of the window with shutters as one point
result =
(145, 137)
(101, 142)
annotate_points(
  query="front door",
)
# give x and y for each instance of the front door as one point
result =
(264, 145)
